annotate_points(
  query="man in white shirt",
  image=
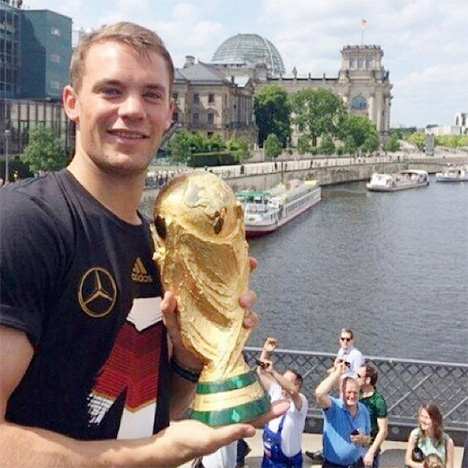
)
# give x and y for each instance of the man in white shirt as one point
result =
(349, 353)
(282, 436)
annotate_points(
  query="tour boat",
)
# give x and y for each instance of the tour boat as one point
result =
(451, 173)
(266, 211)
(399, 181)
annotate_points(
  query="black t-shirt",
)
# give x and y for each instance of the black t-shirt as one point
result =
(81, 283)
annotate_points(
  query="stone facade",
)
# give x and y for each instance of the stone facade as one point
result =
(209, 102)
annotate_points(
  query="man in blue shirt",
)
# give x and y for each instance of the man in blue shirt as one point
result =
(346, 430)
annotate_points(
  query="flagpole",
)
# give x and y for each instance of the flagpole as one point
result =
(363, 26)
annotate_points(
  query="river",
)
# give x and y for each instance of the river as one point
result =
(391, 266)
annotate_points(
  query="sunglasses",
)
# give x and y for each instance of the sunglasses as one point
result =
(345, 338)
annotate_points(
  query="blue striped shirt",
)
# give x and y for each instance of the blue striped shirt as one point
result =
(338, 425)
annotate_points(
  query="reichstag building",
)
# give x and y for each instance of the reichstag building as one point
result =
(216, 97)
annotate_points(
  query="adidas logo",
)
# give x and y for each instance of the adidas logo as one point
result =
(139, 273)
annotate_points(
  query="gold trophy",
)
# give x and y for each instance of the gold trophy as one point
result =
(202, 256)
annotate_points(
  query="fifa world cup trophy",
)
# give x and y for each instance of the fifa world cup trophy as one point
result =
(202, 256)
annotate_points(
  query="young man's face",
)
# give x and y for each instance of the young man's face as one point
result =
(361, 375)
(122, 109)
(291, 376)
(345, 340)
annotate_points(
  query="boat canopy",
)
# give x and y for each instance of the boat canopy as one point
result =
(414, 171)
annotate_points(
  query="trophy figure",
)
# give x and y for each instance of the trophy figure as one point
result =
(202, 256)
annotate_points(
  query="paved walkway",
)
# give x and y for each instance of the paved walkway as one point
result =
(392, 452)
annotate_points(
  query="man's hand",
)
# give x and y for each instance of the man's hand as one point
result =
(369, 458)
(184, 440)
(270, 344)
(268, 366)
(190, 439)
(361, 439)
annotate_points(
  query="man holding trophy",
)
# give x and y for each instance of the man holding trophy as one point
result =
(87, 378)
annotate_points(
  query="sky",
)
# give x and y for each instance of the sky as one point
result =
(424, 41)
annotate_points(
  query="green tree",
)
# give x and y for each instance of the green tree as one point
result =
(215, 143)
(303, 145)
(449, 141)
(239, 148)
(272, 146)
(44, 152)
(317, 113)
(272, 111)
(179, 146)
(371, 143)
(392, 144)
(418, 138)
(360, 134)
(199, 142)
(327, 146)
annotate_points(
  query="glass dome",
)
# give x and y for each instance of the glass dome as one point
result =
(250, 49)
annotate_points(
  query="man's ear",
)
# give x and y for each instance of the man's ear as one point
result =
(70, 103)
(170, 114)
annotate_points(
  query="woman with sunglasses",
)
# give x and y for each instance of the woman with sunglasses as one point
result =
(430, 437)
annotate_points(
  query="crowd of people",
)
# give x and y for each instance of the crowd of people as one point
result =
(92, 365)
(355, 417)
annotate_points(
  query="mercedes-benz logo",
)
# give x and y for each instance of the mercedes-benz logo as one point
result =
(97, 292)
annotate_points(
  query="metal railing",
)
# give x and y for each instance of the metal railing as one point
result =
(404, 383)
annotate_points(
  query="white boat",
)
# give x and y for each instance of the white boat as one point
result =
(451, 173)
(266, 211)
(402, 180)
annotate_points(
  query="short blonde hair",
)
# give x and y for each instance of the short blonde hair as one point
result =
(348, 330)
(137, 37)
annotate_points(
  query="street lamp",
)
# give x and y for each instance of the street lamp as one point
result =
(7, 139)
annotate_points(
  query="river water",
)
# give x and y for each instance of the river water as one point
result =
(391, 266)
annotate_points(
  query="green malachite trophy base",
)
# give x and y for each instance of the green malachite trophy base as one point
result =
(252, 403)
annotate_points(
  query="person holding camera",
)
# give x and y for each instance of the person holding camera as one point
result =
(282, 436)
(346, 430)
(349, 353)
(429, 438)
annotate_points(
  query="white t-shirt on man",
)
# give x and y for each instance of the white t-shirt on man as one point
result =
(294, 422)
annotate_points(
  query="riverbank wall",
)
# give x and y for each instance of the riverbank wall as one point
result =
(331, 173)
(326, 171)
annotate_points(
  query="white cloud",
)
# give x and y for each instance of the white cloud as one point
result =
(437, 93)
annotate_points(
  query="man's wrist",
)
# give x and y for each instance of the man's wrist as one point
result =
(192, 375)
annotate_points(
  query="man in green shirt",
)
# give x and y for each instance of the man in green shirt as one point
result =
(375, 403)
